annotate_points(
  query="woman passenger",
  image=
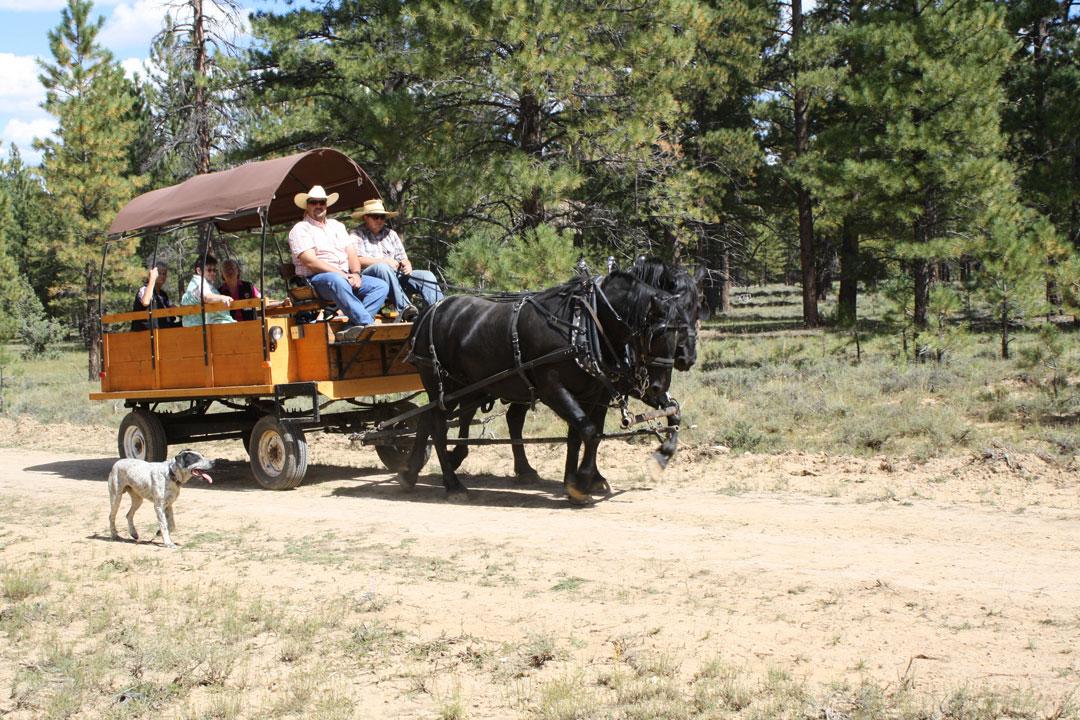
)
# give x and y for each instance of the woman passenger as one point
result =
(237, 289)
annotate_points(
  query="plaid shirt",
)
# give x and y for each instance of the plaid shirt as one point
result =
(386, 244)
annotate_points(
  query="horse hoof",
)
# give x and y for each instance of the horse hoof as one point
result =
(600, 486)
(407, 483)
(527, 476)
(577, 497)
(457, 494)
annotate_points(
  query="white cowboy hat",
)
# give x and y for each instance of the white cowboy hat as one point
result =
(372, 207)
(318, 193)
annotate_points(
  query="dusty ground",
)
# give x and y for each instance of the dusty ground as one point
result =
(961, 572)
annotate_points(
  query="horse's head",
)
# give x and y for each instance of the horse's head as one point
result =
(686, 296)
(645, 322)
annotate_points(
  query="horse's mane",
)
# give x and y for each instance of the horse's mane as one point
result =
(638, 300)
(674, 279)
(640, 297)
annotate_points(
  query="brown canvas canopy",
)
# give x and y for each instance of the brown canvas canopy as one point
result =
(231, 198)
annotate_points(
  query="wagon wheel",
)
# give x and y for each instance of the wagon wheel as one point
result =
(142, 437)
(395, 454)
(278, 454)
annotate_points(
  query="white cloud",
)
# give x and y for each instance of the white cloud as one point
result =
(135, 66)
(134, 23)
(22, 133)
(20, 91)
(29, 6)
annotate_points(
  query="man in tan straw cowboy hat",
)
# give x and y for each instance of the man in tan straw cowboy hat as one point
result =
(382, 255)
(323, 252)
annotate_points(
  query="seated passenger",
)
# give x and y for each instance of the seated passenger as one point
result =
(323, 253)
(237, 289)
(382, 255)
(201, 289)
(152, 295)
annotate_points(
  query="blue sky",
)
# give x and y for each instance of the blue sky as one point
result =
(129, 27)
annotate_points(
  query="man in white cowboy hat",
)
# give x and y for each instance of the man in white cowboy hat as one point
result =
(323, 252)
(382, 255)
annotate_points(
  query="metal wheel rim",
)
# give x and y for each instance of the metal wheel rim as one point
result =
(271, 453)
(134, 443)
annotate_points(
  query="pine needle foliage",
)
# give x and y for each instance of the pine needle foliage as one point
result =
(86, 165)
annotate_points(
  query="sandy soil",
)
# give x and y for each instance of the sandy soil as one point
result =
(958, 572)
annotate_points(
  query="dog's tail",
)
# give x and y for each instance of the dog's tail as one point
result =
(114, 483)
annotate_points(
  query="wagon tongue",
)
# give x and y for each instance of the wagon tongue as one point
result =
(204, 475)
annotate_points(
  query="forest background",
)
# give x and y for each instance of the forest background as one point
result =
(922, 150)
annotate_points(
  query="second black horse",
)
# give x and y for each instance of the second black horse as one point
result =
(571, 347)
(685, 291)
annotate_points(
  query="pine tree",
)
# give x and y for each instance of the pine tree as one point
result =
(491, 118)
(192, 86)
(708, 198)
(929, 166)
(85, 167)
(787, 111)
(1043, 87)
(10, 285)
(31, 229)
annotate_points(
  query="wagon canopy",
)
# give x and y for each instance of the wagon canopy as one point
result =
(231, 198)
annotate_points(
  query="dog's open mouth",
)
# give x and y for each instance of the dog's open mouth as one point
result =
(204, 475)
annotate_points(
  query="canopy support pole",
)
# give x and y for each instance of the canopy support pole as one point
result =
(202, 293)
(262, 284)
(100, 291)
(150, 307)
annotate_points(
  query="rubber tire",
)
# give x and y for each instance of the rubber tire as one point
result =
(142, 436)
(396, 457)
(279, 454)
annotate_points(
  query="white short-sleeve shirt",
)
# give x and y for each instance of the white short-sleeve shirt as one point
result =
(329, 240)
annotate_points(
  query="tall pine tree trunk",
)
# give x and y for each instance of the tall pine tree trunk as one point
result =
(528, 137)
(202, 107)
(807, 254)
(847, 306)
(725, 283)
(93, 326)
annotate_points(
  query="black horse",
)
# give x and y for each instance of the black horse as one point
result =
(572, 347)
(685, 291)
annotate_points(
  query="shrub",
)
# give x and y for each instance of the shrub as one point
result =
(36, 330)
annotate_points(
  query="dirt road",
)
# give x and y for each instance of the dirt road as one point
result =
(959, 572)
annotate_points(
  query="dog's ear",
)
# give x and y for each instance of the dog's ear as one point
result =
(187, 458)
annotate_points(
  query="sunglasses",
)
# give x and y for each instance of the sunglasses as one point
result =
(315, 202)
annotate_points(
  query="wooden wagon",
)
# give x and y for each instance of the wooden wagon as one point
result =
(222, 381)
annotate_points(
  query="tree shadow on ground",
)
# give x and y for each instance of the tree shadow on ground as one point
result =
(229, 475)
(485, 490)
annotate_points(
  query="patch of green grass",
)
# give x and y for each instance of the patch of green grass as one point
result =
(568, 583)
(56, 390)
(18, 584)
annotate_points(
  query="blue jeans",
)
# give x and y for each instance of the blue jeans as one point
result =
(420, 281)
(360, 304)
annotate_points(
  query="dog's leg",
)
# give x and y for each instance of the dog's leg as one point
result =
(114, 503)
(136, 501)
(170, 518)
(163, 524)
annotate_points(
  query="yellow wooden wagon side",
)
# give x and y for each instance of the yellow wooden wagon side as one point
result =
(235, 380)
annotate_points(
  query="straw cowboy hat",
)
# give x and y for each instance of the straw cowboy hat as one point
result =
(318, 193)
(372, 207)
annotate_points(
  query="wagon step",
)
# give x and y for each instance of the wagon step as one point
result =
(360, 338)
